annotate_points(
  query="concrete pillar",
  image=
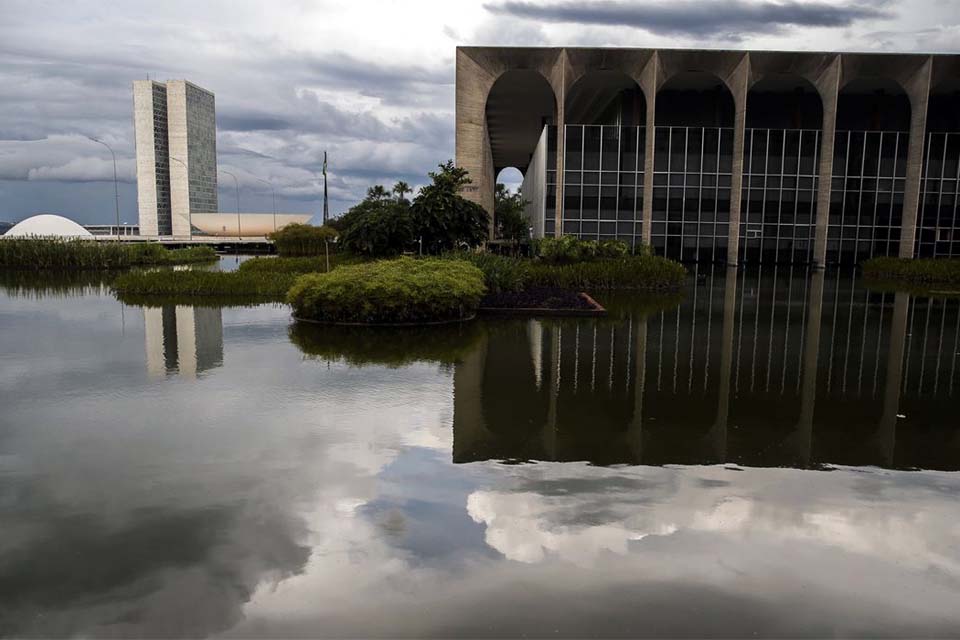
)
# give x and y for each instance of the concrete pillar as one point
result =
(828, 86)
(919, 93)
(649, 83)
(561, 138)
(473, 84)
(739, 83)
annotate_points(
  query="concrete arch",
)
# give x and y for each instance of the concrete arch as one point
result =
(520, 103)
(716, 105)
(767, 113)
(590, 99)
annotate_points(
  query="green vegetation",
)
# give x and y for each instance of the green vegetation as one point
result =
(248, 284)
(570, 249)
(502, 273)
(390, 292)
(509, 219)
(50, 253)
(929, 271)
(303, 240)
(385, 223)
(298, 265)
(380, 225)
(56, 282)
(386, 346)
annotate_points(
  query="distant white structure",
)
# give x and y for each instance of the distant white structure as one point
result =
(47, 226)
(176, 136)
(251, 225)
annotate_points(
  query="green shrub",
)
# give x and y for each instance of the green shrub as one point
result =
(399, 291)
(378, 226)
(187, 284)
(53, 253)
(570, 249)
(303, 240)
(303, 264)
(386, 346)
(928, 270)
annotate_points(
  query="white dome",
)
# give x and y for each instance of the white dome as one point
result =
(48, 226)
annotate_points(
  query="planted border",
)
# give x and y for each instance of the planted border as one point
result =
(53, 253)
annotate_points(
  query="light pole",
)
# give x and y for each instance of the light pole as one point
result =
(274, 202)
(237, 183)
(189, 210)
(116, 190)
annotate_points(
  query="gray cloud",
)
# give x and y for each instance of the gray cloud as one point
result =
(695, 18)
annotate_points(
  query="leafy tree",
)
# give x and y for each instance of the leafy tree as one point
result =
(445, 219)
(378, 226)
(509, 219)
(302, 239)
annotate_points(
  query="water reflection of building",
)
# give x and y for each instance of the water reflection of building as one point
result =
(773, 368)
(185, 340)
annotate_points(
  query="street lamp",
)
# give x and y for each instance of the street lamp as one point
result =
(116, 190)
(237, 183)
(274, 202)
(189, 210)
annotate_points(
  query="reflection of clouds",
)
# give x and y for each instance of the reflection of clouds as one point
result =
(907, 525)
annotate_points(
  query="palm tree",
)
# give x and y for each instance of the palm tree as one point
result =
(401, 189)
(377, 192)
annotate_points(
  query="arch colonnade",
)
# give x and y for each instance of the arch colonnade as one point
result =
(718, 155)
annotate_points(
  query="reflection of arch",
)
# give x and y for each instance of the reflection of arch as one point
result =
(605, 97)
(695, 98)
(519, 105)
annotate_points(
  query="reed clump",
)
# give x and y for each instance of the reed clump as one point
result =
(268, 287)
(931, 271)
(54, 253)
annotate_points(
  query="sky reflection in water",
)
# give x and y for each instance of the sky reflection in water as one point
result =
(183, 471)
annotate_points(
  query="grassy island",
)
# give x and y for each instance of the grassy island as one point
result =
(401, 291)
(924, 272)
(52, 253)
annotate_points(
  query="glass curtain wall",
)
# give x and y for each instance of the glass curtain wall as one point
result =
(603, 182)
(778, 206)
(691, 192)
(866, 202)
(937, 232)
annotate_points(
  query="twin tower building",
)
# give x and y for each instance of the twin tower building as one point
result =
(176, 138)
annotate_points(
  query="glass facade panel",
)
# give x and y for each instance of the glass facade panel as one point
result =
(938, 228)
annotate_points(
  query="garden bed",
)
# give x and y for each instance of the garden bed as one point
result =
(541, 301)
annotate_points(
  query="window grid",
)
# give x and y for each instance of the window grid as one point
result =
(779, 195)
(938, 234)
(866, 203)
(603, 182)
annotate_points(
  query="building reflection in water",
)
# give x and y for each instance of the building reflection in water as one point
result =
(182, 339)
(782, 367)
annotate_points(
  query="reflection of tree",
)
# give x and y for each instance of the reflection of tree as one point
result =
(387, 346)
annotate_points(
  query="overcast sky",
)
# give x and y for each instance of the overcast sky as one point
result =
(370, 82)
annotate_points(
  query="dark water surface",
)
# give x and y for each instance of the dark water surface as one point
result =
(776, 454)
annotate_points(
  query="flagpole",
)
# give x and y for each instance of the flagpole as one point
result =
(326, 207)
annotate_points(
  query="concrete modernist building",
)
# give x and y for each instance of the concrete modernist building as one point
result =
(176, 137)
(726, 156)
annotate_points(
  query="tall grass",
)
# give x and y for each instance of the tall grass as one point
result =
(186, 284)
(307, 264)
(507, 274)
(52, 253)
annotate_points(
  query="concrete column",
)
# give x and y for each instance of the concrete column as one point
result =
(648, 83)
(561, 138)
(828, 86)
(919, 93)
(739, 82)
(473, 84)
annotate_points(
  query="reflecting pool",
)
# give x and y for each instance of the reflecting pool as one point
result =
(772, 453)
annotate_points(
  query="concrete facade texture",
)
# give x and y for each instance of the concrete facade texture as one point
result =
(175, 131)
(481, 72)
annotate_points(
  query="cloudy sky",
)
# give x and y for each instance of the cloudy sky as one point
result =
(370, 82)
